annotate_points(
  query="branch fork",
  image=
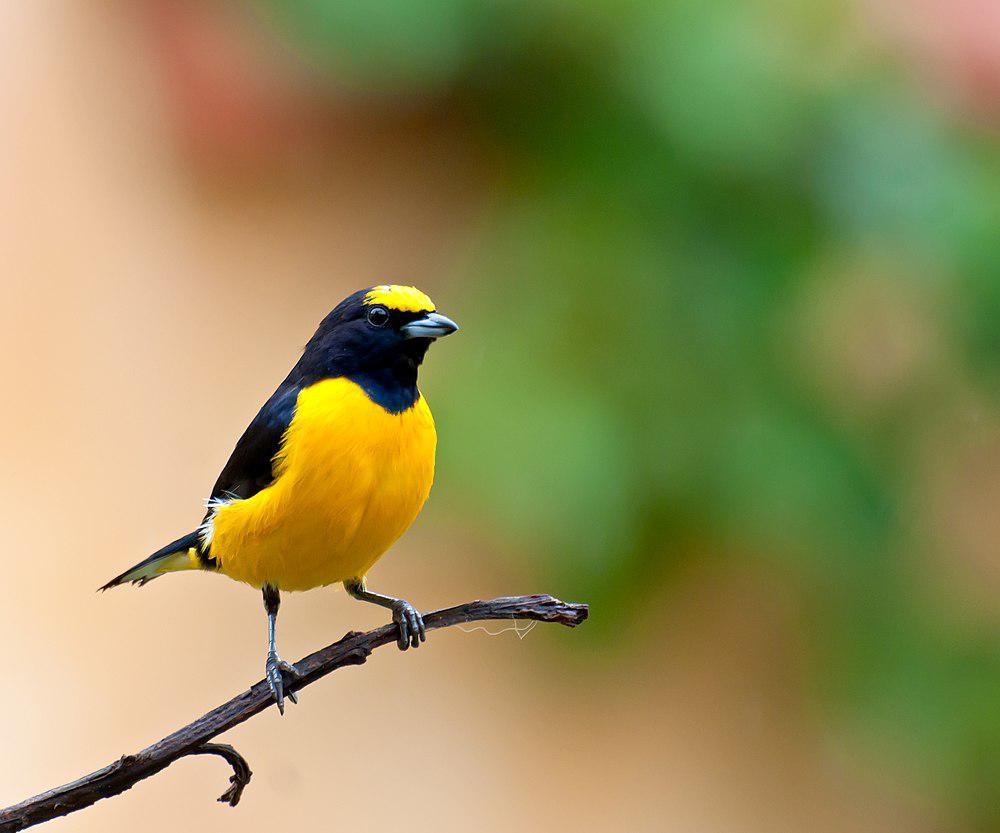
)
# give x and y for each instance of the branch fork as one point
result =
(196, 737)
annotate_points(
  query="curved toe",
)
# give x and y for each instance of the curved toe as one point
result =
(274, 670)
(411, 626)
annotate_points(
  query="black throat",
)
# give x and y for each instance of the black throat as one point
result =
(393, 384)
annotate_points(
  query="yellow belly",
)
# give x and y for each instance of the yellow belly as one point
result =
(351, 478)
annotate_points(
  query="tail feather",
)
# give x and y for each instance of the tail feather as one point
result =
(182, 554)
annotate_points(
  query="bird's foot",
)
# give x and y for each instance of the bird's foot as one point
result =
(411, 625)
(274, 668)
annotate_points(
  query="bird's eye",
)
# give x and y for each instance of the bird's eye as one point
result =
(378, 316)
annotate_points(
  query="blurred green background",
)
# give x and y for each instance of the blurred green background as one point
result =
(729, 280)
(740, 295)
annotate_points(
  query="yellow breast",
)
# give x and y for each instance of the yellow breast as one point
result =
(351, 478)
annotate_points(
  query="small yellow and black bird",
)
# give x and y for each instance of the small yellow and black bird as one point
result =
(332, 470)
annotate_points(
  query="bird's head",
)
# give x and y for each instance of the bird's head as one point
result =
(384, 327)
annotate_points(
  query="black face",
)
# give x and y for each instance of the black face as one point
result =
(376, 346)
(368, 337)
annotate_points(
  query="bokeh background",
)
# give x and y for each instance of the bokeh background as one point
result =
(729, 280)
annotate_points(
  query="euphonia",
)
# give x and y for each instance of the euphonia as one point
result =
(330, 473)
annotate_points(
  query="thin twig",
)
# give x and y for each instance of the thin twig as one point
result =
(241, 770)
(194, 738)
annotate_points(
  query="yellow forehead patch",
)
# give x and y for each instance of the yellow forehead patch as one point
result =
(401, 298)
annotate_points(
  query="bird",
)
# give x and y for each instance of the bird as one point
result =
(330, 473)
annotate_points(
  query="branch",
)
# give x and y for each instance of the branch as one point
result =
(194, 738)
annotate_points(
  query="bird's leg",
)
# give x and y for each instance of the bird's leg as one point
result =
(275, 665)
(411, 624)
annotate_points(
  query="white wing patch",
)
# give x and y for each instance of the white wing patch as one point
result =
(207, 530)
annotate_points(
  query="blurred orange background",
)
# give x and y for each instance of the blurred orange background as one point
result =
(190, 187)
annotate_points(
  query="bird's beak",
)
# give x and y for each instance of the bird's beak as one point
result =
(430, 325)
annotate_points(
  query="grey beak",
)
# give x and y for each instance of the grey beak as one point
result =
(431, 325)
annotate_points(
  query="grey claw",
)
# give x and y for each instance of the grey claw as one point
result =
(289, 669)
(411, 626)
(278, 690)
(273, 669)
(292, 672)
(414, 629)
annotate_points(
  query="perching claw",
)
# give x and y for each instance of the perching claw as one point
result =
(412, 630)
(275, 666)
(274, 669)
(411, 625)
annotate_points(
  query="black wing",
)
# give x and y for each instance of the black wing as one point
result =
(250, 467)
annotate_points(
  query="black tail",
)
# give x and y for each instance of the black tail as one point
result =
(182, 554)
